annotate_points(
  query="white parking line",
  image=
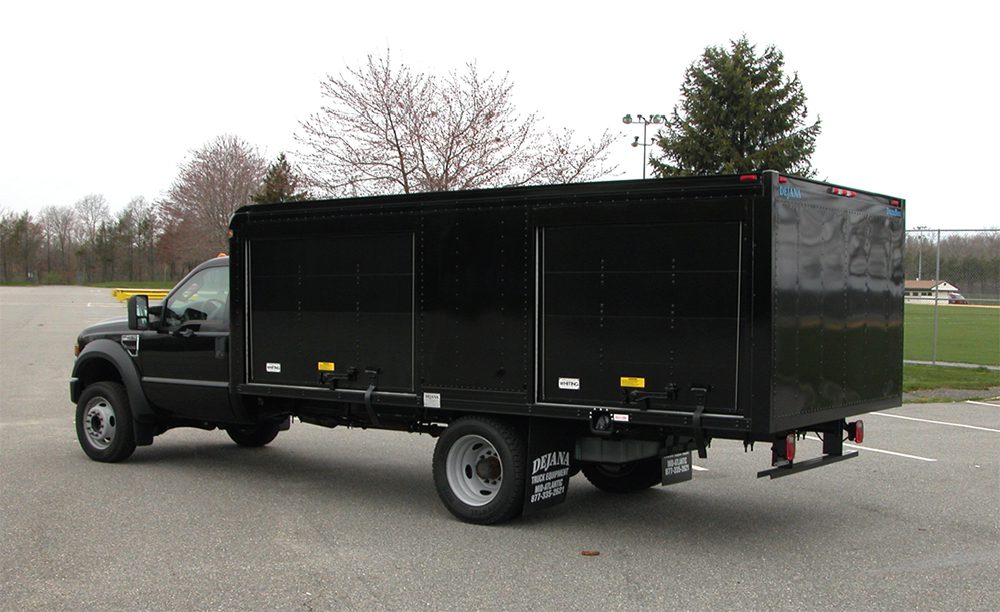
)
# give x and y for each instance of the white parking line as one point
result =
(982, 404)
(698, 468)
(878, 450)
(899, 416)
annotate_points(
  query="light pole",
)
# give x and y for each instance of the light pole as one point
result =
(920, 251)
(646, 142)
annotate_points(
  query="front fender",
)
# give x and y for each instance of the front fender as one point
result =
(101, 360)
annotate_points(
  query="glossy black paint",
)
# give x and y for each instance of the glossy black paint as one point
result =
(788, 309)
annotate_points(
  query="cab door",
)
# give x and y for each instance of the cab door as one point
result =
(185, 361)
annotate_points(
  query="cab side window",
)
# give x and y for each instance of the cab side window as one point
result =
(203, 297)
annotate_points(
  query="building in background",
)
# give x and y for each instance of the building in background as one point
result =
(925, 291)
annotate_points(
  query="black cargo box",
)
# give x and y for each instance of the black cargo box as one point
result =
(781, 297)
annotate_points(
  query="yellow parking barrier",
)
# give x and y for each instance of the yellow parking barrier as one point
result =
(154, 294)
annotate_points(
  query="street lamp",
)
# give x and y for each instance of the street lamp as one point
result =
(646, 142)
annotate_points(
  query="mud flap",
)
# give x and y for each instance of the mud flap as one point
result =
(550, 451)
(675, 468)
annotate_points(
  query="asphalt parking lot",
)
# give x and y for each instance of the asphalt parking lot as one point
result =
(326, 519)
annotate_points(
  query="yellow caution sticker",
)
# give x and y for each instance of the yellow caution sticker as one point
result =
(634, 382)
(326, 366)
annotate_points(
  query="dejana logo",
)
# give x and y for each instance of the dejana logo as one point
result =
(792, 193)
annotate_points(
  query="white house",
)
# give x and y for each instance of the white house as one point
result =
(924, 291)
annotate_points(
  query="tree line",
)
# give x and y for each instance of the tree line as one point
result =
(969, 261)
(385, 127)
(85, 242)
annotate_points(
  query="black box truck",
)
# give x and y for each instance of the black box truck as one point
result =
(610, 328)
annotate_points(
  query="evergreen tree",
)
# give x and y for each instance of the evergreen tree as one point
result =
(739, 113)
(281, 184)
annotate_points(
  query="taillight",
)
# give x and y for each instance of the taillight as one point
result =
(790, 446)
(856, 431)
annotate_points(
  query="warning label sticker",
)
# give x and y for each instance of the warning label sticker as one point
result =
(273, 368)
(634, 382)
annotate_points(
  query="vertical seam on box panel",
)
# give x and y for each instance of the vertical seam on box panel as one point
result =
(248, 307)
(538, 235)
(739, 298)
(413, 311)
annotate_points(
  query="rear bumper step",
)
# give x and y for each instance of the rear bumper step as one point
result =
(808, 464)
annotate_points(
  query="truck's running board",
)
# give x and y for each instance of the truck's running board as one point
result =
(808, 464)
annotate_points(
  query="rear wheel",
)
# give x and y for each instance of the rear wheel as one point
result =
(260, 434)
(104, 422)
(624, 477)
(479, 470)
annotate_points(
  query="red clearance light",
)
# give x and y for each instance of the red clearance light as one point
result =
(856, 431)
(894, 203)
(790, 446)
(782, 179)
(748, 178)
(847, 193)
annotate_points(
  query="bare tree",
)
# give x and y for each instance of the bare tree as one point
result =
(6, 234)
(92, 214)
(139, 227)
(218, 178)
(91, 211)
(388, 129)
(57, 224)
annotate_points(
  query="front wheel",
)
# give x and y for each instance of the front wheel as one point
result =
(104, 423)
(260, 434)
(479, 465)
(624, 477)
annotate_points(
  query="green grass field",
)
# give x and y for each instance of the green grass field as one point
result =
(917, 377)
(966, 334)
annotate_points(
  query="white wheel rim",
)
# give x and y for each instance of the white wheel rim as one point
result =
(475, 471)
(100, 423)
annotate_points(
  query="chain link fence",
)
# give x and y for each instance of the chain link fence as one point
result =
(952, 296)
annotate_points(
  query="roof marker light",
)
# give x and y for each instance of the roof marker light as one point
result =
(847, 193)
(894, 203)
(748, 178)
(782, 179)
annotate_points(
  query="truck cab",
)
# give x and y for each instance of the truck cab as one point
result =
(164, 366)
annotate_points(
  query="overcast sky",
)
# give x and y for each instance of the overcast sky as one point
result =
(109, 97)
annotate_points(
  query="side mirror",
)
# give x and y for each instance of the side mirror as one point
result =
(138, 312)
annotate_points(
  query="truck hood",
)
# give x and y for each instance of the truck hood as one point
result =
(111, 329)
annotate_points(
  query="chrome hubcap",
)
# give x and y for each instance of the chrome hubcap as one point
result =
(99, 423)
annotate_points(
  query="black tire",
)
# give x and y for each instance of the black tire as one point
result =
(624, 477)
(104, 425)
(257, 435)
(479, 469)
